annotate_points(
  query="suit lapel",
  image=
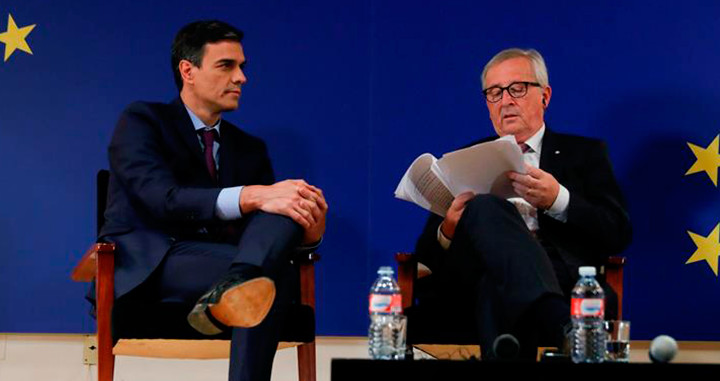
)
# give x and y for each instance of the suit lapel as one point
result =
(241, 160)
(237, 159)
(227, 156)
(551, 155)
(184, 127)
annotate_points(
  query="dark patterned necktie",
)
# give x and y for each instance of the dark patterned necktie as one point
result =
(209, 136)
(524, 147)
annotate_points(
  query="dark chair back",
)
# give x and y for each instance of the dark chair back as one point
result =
(102, 181)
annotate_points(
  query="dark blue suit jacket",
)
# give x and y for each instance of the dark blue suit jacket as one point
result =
(597, 224)
(160, 190)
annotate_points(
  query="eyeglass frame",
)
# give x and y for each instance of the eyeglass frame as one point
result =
(507, 88)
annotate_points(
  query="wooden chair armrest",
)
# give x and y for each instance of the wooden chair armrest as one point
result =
(404, 258)
(407, 271)
(613, 269)
(86, 269)
(615, 261)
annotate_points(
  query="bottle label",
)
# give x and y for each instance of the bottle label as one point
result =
(587, 307)
(381, 303)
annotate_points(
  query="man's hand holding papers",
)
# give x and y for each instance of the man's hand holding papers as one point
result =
(454, 213)
(433, 184)
(537, 187)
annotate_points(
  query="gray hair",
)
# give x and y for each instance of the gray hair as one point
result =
(536, 59)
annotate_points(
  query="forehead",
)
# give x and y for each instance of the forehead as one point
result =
(512, 70)
(223, 50)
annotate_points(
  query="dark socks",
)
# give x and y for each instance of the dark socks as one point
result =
(245, 270)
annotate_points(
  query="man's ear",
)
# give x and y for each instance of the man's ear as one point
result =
(547, 93)
(187, 71)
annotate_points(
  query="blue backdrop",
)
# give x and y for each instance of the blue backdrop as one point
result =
(347, 94)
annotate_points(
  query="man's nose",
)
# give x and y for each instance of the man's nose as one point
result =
(239, 77)
(507, 98)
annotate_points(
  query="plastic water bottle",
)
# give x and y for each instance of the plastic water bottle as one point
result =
(385, 309)
(588, 337)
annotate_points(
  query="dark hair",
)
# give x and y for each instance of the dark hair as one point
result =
(189, 43)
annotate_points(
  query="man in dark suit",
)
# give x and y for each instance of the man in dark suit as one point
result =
(518, 259)
(196, 214)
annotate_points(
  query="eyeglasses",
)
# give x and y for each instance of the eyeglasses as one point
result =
(515, 89)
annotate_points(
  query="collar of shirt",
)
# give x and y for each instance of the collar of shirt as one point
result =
(535, 141)
(199, 125)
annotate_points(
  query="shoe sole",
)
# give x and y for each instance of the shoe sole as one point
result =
(198, 319)
(246, 304)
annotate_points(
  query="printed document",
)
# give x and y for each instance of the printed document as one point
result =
(433, 183)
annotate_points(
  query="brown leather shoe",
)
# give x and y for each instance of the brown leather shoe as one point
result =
(245, 304)
(235, 301)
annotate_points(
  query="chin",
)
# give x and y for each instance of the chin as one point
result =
(512, 129)
(503, 131)
(230, 106)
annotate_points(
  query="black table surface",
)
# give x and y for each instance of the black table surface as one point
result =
(415, 370)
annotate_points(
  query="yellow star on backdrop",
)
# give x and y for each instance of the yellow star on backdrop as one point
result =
(708, 160)
(14, 38)
(708, 248)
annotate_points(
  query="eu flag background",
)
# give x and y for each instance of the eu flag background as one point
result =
(347, 94)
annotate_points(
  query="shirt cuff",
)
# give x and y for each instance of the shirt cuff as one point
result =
(442, 240)
(558, 210)
(227, 206)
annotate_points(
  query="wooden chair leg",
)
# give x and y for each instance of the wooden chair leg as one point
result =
(106, 365)
(306, 352)
(306, 361)
(104, 285)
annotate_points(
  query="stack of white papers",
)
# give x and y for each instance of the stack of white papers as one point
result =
(433, 184)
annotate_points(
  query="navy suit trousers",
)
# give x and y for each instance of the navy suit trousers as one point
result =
(190, 268)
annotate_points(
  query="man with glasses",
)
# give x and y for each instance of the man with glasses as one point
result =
(515, 261)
